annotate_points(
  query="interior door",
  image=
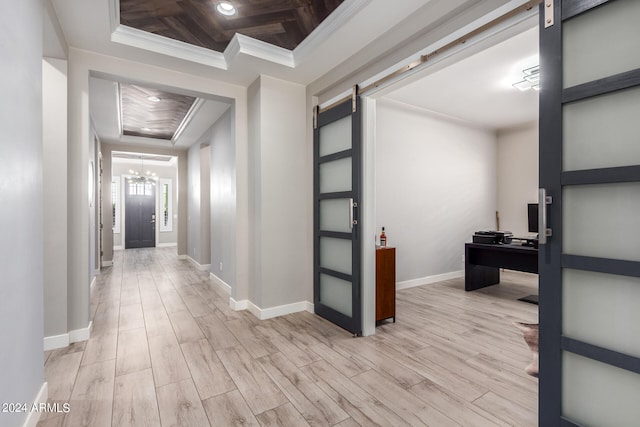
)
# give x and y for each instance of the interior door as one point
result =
(140, 214)
(337, 184)
(590, 167)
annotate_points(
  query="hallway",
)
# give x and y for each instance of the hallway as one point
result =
(166, 349)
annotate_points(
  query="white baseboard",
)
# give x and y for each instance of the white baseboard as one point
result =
(166, 245)
(429, 280)
(41, 397)
(238, 305)
(107, 263)
(56, 341)
(118, 248)
(183, 256)
(201, 267)
(79, 335)
(224, 287)
(271, 312)
(93, 283)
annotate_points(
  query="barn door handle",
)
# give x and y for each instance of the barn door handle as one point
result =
(543, 201)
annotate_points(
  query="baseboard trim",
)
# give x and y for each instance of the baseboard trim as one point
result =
(271, 312)
(166, 245)
(118, 248)
(183, 256)
(93, 283)
(56, 341)
(429, 280)
(224, 287)
(107, 263)
(79, 335)
(201, 267)
(41, 398)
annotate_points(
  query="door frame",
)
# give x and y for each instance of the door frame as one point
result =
(123, 211)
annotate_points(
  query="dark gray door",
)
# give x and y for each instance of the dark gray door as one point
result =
(140, 214)
(590, 168)
(337, 183)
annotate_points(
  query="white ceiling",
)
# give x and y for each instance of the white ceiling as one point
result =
(478, 89)
(472, 85)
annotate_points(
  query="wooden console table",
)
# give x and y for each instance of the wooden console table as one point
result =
(385, 283)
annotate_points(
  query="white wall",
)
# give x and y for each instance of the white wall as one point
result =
(21, 210)
(281, 262)
(193, 206)
(223, 199)
(435, 186)
(54, 114)
(517, 176)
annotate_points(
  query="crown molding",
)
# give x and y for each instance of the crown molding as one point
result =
(195, 107)
(337, 19)
(259, 49)
(239, 44)
(166, 46)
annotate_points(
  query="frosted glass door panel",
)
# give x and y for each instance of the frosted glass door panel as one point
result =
(336, 294)
(601, 43)
(335, 176)
(335, 137)
(334, 215)
(602, 221)
(335, 254)
(597, 394)
(602, 132)
(602, 309)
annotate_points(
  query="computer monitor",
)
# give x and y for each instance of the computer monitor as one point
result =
(532, 214)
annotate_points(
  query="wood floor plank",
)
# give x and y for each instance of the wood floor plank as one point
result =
(60, 373)
(282, 416)
(92, 398)
(255, 343)
(101, 348)
(216, 332)
(131, 317)
(229, 409)
(456, 408)
(156, 321)
(167, 361)
(133, 351)
(185, 327)
(312, 403)
(512, 413)
(208, 373)
(260, 392)
(405, 404)
(135, 402)
(180, 405)
(360, 405)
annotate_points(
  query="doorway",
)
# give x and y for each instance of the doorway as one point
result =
(140, 211)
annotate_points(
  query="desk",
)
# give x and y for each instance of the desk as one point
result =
(482, 263)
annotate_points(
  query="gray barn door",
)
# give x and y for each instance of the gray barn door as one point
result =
(140, 214)
(590, 168)
(337, 183)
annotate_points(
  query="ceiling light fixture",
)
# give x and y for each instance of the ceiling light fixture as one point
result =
(226, 8)
(153, 98)
(531, 79)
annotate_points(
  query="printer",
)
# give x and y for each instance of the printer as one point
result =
(492, 237)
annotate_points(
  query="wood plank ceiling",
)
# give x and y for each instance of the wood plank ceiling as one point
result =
(152, 113)
(283, 23)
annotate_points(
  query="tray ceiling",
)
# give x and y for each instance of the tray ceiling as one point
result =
(282, 23)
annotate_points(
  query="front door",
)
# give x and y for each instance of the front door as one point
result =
(140, 213)
(337, 252)
(590, 168)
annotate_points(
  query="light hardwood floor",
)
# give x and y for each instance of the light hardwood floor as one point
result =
(166, 350)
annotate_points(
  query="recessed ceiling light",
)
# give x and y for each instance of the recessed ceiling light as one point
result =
(225, 8)
(153, 98)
